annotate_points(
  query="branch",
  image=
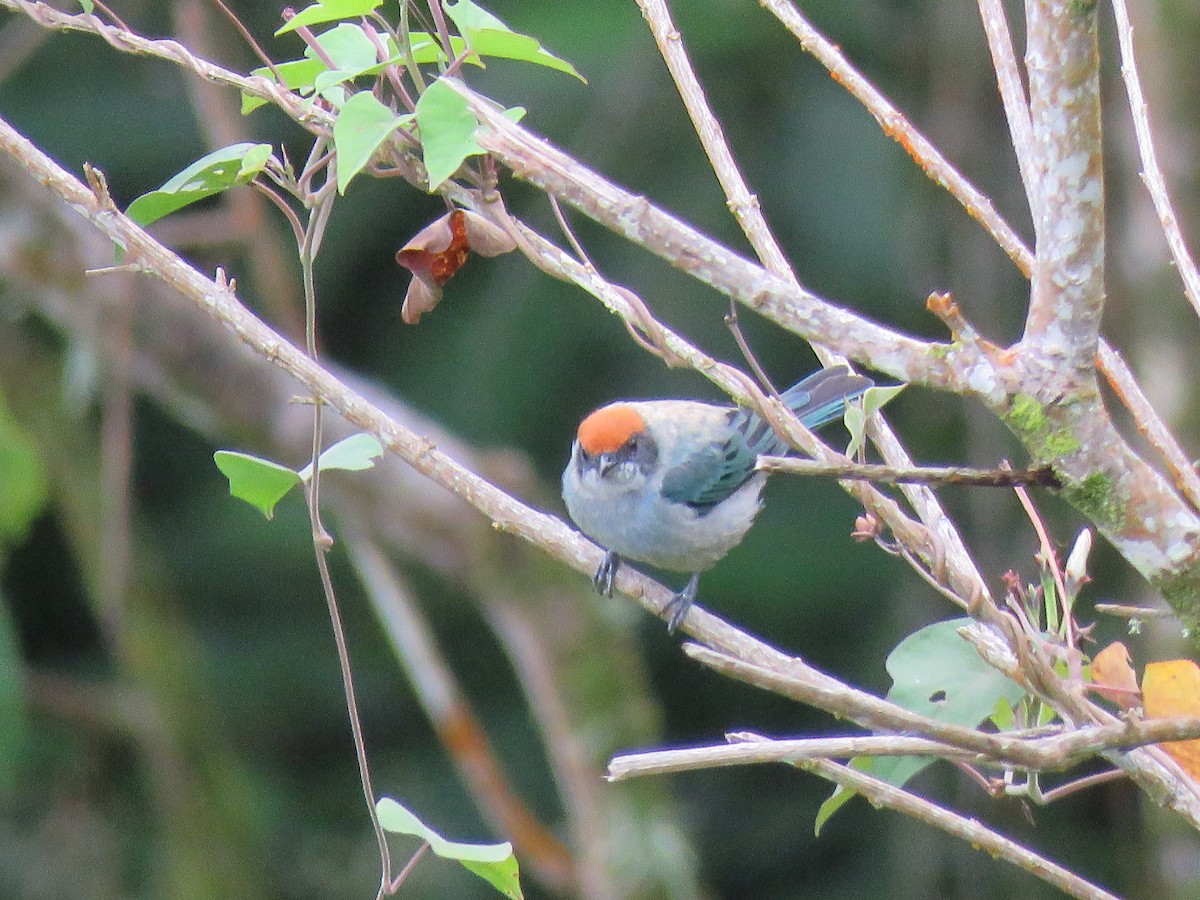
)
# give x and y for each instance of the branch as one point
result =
(816, 320)
(940, 170)
(1146, 419)
(1012, 94)
(1042, 475)
(1067, 295)
(1152, 174)
(942, 534)
(1058, 751)
(897, 127)
(881, 794)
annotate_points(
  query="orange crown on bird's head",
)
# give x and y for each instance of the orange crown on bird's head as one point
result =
(606, 430)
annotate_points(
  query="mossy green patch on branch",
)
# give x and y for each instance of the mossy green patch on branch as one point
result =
(1096, 498)
(939, 351)
(1028, 421)
(1182, 591)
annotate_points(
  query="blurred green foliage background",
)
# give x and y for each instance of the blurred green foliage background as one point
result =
(225, 614)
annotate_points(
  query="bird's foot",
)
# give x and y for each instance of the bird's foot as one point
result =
(606, 574)
(678, 608)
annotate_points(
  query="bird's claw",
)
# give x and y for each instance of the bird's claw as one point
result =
(606, 574)
(677, 608)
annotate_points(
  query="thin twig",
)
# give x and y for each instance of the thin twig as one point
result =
(1054, 751)
(113, 17)
(1152, 174)
(1149, 425)
(396, 883)
(1125, 611)
(249, 39)
(1082, 784)
(897, 127)
(1012, 93)
(953, 475)
(320, 202)
(880, 794)
(450, 713)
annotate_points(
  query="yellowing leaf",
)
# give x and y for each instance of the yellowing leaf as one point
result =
(1113, 676)
(1171, 689)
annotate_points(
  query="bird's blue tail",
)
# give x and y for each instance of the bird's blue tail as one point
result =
(822, 396)
(816, 400)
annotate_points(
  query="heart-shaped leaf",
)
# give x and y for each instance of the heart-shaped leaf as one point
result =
(259, 482)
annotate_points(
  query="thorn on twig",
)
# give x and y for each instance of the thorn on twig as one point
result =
(223, 282)
(866, 528)
(99, 185)
(942, 305)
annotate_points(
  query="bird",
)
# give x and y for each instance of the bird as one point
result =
(673, 483)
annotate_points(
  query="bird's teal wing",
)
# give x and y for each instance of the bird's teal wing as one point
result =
(712, 474)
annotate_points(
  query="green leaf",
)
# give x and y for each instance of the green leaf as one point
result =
(841, 796)
(938, 674)
(447, 132)
(1003, 716)
(857, 414)
(296, 75)
(13, 722)
(352, 454)
(489, 36)
(362, 125)
(856, 424)
(494, 863)
(88, 6)
(347, 46)
(353, 55)
(1050, 601)
(329, 11)
(24, 484)
(259, 482)
(211, 174)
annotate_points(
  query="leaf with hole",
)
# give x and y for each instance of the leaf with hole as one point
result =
(352, 454)
(362, 125)
(447, 128)
(936, 673)
(260, 482)
(211, 174)
(494, 863)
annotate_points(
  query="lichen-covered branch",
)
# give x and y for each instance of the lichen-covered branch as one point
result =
(1067, 295)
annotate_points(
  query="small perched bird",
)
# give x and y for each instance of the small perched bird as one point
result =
(673, 483)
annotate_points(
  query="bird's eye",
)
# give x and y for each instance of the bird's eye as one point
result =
(632, 443)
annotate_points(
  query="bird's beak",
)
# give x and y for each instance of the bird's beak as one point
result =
(605, 464)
